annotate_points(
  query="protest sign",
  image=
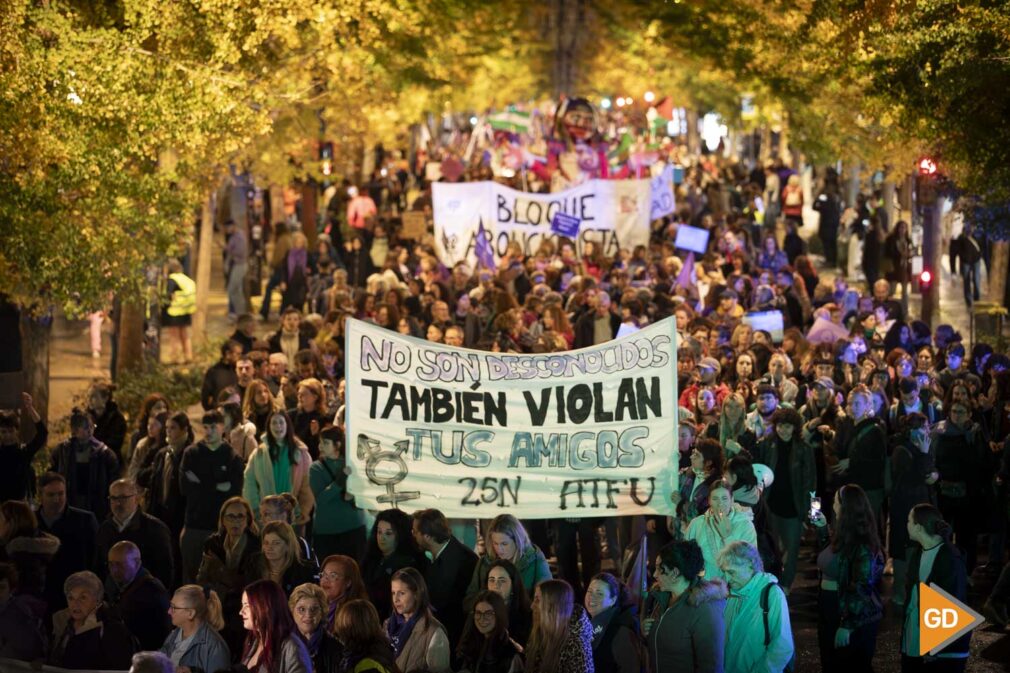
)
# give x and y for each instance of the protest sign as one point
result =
(565, 225)
(591, 432)
(415, 224)
(661, 190)
(613, 214)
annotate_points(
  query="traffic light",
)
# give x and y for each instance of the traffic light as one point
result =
(925, 281)
(927, 166)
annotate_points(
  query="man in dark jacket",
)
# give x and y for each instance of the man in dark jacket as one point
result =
(127, 522)
(865, 449)
(15, 456)
(220, 375)
(597, 324)
(86, 488)
(966, 250)
(138, 598)
(76, 530)
(451, 568)
(210, 473)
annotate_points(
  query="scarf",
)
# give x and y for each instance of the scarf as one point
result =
(315, 640)
(399, 629)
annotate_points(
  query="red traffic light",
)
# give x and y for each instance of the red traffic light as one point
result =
(927, 166)
(926, 277)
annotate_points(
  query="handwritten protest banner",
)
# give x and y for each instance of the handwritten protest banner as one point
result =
(613, 214)
(591, 432)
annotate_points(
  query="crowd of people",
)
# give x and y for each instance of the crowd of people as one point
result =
(850, 429)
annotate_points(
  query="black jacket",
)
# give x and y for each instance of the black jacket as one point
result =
(949, 574)
(161, 479)
(211, 467)
(299, 572)
(867, 453)
(103, 469)
(152, 538)
(16, 478)
(77, 530)
(585, 331)
(143, 606)
(105, 644)
(110, 429)
(377, 572)
(447, 578)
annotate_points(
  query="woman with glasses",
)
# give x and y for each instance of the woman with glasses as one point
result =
(308, 607)
(272, 642)
(341, 582)
(485, 645)
(195, 645)
(282, 560)
(231, 561)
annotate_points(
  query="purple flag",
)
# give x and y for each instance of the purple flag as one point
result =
(485, 255)
(686, 277)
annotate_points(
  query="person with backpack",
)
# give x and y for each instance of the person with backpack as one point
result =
(758, 632)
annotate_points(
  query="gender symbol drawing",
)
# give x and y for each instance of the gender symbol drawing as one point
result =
(372, 453)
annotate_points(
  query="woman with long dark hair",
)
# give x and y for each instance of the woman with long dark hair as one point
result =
(934, 560)
(485, 645)
(503, 578)
(391, 546)
(420, 642)
(366, 647)
(851, 564)
(272, 644)
(280, 465)
(562, 636)
(152, 405)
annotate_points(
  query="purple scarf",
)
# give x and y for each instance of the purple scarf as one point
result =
(398, 629)
(297, 257)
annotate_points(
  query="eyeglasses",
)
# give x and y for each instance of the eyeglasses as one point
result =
(331, 576)
(120, 498)
(176, 608)
(483, 614)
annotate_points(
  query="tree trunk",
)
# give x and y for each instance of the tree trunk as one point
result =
(568, 25)
(203, 264)
(998, 271)
(887, 193)
(35, 336)
(693, 136)
(852, 186)
(784, 154)
(310, 204)
(131, 338)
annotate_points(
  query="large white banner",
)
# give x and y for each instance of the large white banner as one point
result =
(612, 214)
(591, 432)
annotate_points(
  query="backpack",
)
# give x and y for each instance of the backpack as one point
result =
(791, 666)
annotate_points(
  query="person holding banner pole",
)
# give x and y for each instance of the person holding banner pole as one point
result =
(507, 539)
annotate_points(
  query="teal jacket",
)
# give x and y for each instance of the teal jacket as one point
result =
(334, 512)
(532, 569)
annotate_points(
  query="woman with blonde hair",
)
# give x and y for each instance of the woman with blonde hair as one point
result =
(507, 539)
(308, 607)
(562, 636)
(195, 644)
(308, 418)
(258, 404)
(282, 560)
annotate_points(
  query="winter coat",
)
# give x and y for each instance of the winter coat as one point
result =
(103, 643)
(745, 630)
(909, 469)
(703, 530)
(802, 469)
(532, 567)
(165, 499)
(259, 481)
(150, 535)
(292, 658)
(299, 572)
(617, 640)
(961, 456)
(867, 454)
(17, 477)
(207, 653)
(22, 635)
(377, 572)
(211, 467)
(32, 555)
(577, 651)
(948, 573)
(218, 376)
(143, 606)
(427, 648)
(688, 635)
(334, 513)
(103, 469)
(110, 429)
(76, 530)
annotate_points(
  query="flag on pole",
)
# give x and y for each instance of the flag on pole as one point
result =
(686, 278)
(485, 255)
(638, 576)
(511, 121)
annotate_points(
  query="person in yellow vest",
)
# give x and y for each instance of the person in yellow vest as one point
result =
(178, 314)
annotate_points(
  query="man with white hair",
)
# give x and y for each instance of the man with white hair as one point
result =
(151, 662)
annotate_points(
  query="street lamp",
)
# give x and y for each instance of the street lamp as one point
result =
(620, 101)
(649, 96)
(605, 103)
